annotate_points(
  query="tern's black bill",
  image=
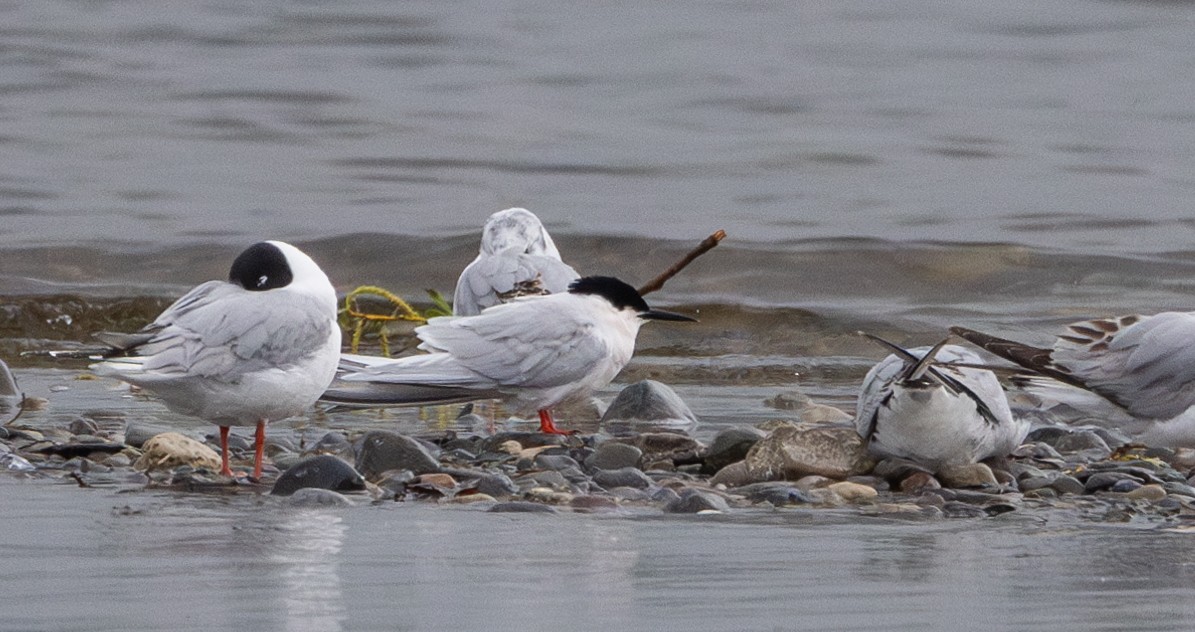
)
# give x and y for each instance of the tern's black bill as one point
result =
(659, 314)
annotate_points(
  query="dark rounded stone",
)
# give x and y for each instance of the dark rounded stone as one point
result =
(320, 472)
(695, 500)
(494, 484)
(83, 426)
(730, 445)
(382, 450)
(558, 462)
(777, 493)
(521, 506)
(548, 478)
(1066, 484)
(1101, 481)
(1124, 486)
(525, 439)
(918, 483)
(137, 433)
(331, 442)
(622, 477)
(648, 401)
(1181, 489)
(613, 455)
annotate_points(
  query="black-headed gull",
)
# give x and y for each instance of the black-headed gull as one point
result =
(259, 347)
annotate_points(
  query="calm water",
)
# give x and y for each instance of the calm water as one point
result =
(897, 167)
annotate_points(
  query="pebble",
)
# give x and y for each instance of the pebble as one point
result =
(697, 501)
(1125, 486)
(1101, 481)
(590, 503)
(1147, 492)
(169, 450)
(548, 496)
(622, 477)
(777, 493)
(791, 452)
(16, 463)
(382, 450)
(613, 455)
(968, 475)
(728, 446)
(496, 484)
(649, 402)
(137, 433)
(733, 475)
(1066, 484)
(321, 472)
(918, 483)
(853, 492)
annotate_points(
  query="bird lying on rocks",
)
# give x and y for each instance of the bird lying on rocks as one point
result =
(535, 352)
(517, 258)
(1143, 365)
(915, 405)
(259, 347)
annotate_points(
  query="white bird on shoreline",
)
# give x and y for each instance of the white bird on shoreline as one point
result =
(517, 258)
(534, 352)
(915, 405)
(259, 347)
(1142, 365)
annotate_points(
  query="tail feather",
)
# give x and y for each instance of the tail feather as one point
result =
(382, 395)
(1035, 359)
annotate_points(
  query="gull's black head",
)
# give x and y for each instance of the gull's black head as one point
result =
(621, 296)
(262, 266)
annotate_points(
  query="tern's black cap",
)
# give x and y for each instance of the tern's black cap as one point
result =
(620, 294)
(260, 267)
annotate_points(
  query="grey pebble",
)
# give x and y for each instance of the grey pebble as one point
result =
(494, 484)
(730, 445)
(623, 477)
(613, 455)
(1066, 484)
(1124, 486)
(1101, 481)
(382, 450)
(695, 500)
(322, 472)
(778, 493)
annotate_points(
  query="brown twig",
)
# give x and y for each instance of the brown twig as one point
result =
(705, 246)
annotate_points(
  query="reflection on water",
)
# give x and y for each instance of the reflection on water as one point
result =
(186, 562)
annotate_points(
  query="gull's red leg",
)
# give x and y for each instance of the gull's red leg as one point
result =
(547, 426)
(224, 469)
(259, 448)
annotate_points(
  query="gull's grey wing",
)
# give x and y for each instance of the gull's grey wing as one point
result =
(1144, 363)
(488, 276)
(221, 331)
(511, 345)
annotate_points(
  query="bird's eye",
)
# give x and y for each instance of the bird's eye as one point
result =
(262, 280)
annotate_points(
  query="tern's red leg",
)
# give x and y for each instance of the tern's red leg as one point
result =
(259, 448)
(546, 425)
(224, 469)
